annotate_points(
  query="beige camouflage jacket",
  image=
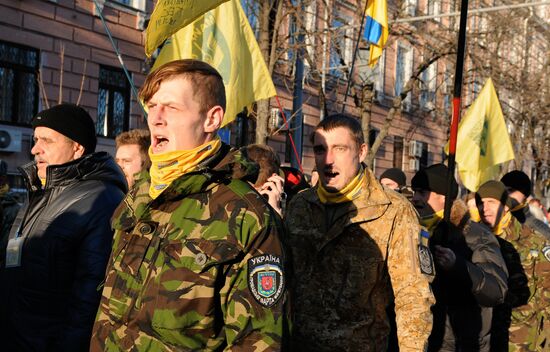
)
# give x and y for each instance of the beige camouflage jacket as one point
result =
(355, 264)
(198, 268)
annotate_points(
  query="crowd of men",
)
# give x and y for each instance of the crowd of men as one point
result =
(189, 244)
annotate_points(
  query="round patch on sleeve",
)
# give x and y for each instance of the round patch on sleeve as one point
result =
(266, 280)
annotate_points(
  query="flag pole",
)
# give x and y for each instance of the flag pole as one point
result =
(457, 94)
(134, 90)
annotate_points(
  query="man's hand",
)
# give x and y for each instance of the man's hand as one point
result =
(273, 188)
(445, 257)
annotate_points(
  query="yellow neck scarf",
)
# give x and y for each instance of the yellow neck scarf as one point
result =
(503, 223)
(4, 189)
(347, 194)
(431, 221)
(474, 214)
(43, 182)
(166, 167)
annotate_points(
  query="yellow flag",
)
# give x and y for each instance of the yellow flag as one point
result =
(376, 28)
(482, 141)
(171, 15)
(223, 38)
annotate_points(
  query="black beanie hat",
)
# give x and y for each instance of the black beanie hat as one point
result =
(434, 179)
(495, 190)
(71, 121)
(396, 175)
(519, 181)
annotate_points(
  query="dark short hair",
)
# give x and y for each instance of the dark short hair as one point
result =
(341, 120)
(207, 83)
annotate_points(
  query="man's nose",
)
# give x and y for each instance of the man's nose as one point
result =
(35, 150)
(156, 115)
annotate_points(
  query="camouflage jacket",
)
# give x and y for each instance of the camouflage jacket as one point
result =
(530, 323)
(198, 268)
(355, 265)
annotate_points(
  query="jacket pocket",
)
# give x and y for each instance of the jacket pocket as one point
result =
(187, 284)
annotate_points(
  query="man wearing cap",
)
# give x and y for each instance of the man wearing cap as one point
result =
(394, 179)
(519, 188)
(59, 244)
(359, 280)
(471, 275)
(521, 322)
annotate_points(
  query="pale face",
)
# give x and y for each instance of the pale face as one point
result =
(175, 120)
(130, 160)
(427, 202)
(338, 157)
(491, 211)
(53, 148)
(391, 184)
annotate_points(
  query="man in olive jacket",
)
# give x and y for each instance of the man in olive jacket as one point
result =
(360, 281)
(60, 243)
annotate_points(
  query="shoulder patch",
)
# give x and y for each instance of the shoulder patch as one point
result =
(424, 255)
(266, 279)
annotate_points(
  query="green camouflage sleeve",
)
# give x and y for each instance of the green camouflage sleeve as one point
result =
(413, 296)
(253, 296)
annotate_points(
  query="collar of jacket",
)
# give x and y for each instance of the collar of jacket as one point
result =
(98, 165)
(370, 205)
(222, 167)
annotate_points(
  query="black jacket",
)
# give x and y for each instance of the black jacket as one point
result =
(49, 303)
(465, 294)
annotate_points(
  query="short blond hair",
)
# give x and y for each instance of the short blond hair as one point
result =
(207, 83)
(140, 137)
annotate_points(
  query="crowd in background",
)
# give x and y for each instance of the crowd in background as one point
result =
(182, 242)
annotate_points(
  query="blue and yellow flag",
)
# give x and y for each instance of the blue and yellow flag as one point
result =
(223, 38)
(482, 141)
(376, 28)
(169, 16)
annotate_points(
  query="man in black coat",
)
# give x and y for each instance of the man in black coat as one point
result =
(471, 275)
(52, 268)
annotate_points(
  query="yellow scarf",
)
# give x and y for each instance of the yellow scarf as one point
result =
(4, 189)
(474, 214)
(166, 167)
(502, 224)
(347, 194)
(431, 221)
(43, 182)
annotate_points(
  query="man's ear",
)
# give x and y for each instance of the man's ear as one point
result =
(363, 150)
(78, 151)
(214, 118)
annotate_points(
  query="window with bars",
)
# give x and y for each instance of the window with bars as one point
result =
(18, 83)
(113, 102)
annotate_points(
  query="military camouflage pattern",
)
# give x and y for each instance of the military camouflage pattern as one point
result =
(351, 262)
(178, 274)
(530, 326)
